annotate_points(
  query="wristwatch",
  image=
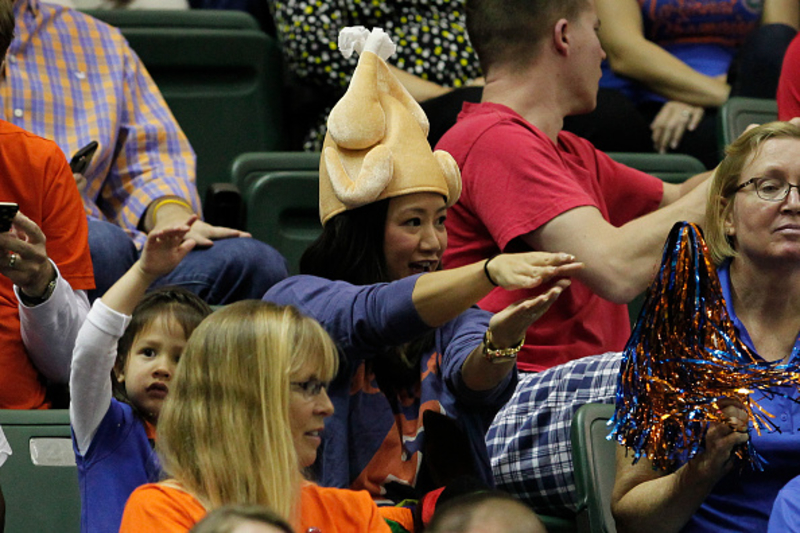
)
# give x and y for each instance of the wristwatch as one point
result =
(32, 301)
(493, 354)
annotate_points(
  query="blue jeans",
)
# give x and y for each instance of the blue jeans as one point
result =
(230, 270)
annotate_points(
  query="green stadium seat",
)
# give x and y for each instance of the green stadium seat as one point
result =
(739, 112)
(671, 168)
(283, 211)
(593, 457)
(40, 479)
(221, 76)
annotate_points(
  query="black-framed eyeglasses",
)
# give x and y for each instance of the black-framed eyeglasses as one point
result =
(769, 189)
(310, 388)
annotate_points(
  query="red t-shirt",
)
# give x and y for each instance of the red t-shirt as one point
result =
(514, 181)
(35, 174)
(788, 96)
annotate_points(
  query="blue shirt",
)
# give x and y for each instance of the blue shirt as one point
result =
(119, 459)
(742, 500)
(366, 444)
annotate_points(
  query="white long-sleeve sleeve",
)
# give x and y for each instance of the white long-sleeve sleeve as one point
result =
(50, 328)
(5, 449)
(92, 361)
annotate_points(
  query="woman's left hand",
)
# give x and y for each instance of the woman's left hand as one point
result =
(24, 255)
(530, 269)
(509, 325)
(672, 121)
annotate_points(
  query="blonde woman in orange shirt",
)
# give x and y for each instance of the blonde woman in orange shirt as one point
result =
(245, 416)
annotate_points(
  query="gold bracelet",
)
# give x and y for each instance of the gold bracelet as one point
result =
(493, 354)
(162, 203)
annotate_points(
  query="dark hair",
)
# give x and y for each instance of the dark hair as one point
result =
(6, 26)
(509, 31)
(185, 307)
(350, 247)
(225, 519)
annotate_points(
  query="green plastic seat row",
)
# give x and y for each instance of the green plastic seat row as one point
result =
(221, 76)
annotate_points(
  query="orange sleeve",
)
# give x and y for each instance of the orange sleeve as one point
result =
(156, 508)
(64, 224)
(335, 510)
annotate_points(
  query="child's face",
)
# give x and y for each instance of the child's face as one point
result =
(309, 406)
(151, 364)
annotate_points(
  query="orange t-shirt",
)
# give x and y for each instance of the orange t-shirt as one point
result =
(34, 174)
(160, 508)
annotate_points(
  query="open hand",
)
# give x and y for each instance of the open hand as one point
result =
(509, 325)
(165, 248)
(672, 121)
(531, 269)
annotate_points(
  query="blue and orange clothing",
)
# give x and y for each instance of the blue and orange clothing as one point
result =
(368, 443)
(704, 35)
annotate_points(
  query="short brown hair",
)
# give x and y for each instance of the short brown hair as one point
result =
(509, 31)
(6, 26)
(723, 186)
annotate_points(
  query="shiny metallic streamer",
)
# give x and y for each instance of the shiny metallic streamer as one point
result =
(683, 357)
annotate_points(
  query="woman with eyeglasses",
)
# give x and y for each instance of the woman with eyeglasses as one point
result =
(242, 420)
(753, 233)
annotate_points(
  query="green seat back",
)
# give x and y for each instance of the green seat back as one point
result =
(283, 211)
(593, 457)
(221, 76)
(40, 479)
(671, 168)
(249, 166)
(739, 112)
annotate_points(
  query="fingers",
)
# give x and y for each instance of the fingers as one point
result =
(672, 122)
(27, 230)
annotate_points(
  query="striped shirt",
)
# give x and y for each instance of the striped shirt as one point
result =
(73, 79)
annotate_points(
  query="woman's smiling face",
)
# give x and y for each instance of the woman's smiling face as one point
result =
(415, 237)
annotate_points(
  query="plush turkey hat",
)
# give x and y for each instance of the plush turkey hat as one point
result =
(376, 146)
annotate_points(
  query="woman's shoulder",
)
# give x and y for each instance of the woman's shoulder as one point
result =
(335, 509)
(161, 507)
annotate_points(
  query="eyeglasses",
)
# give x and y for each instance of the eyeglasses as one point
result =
(770, 189)
(310, 388)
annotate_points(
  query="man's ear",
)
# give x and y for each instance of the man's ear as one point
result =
(561, 36)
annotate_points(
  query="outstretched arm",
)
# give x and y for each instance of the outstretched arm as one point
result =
(620, 261)
(96, 346)
(508, 328)
(441, 296)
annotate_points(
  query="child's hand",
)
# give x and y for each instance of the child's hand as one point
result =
(165, 248)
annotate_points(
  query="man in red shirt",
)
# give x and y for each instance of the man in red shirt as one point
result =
(528, 185)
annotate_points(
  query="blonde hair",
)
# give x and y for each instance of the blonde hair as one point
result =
(224, 433)
(722, 192)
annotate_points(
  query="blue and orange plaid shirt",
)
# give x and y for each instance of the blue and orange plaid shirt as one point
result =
(73, 79)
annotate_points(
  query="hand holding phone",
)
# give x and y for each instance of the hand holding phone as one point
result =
(80, 161)
(8, 211)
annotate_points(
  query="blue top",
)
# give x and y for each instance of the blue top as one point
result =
(704, 35)
(365, 444)
(785, 517)
(119, 459)
(742, 500)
